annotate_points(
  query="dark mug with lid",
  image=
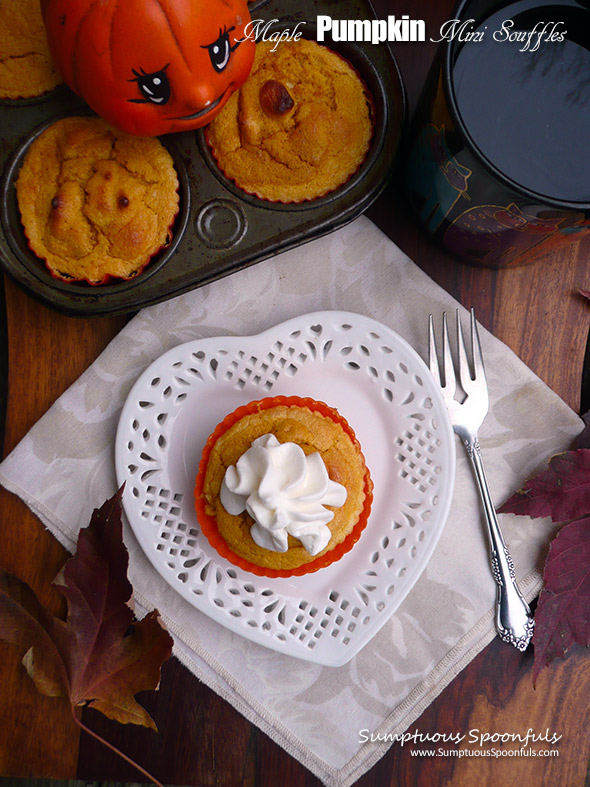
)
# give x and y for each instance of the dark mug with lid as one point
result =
(498, 170)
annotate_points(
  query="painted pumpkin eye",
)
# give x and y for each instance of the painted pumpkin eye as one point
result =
(220, 50)
(155, 87)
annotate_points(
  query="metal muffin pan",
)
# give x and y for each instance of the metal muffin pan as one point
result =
(219, 229)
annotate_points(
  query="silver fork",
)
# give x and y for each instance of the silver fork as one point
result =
(514, 620)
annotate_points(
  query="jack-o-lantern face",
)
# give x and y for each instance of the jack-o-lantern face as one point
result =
(151, 67)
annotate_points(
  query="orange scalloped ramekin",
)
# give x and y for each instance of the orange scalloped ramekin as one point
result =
(208, 523)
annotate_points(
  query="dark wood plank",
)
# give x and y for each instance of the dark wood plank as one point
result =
(46, 353)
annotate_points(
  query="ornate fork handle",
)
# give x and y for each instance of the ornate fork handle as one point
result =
(514, 620)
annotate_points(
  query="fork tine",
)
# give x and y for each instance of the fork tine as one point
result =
(478, 367)
(432, 355)
(448, 368)
(465, 377)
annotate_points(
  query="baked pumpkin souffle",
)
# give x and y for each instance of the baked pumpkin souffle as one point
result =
(26, 67)
(298, 128)
(96, 204)
(282, 487)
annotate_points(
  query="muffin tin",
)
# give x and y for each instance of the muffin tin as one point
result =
(219, 229)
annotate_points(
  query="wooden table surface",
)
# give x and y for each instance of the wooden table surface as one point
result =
(537, 312)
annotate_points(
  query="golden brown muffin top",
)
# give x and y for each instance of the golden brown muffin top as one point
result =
(312, 432)
(298, 128)
(94, 201)
(26, 68)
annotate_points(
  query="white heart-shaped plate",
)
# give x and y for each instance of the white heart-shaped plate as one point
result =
(386, 393)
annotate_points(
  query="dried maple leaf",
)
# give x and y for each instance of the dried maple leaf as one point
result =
(561, 492)
(24, 621)
(99, 656)
(562, 618)
(108, 659)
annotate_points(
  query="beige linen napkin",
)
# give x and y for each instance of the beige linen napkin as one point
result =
(64, 468)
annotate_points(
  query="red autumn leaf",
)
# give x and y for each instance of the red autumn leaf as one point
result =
(24, 621)
(109, 662)
(561, 492)
(99, 656)
(562, 617)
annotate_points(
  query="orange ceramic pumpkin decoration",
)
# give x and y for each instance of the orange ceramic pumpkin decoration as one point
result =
(151, 67)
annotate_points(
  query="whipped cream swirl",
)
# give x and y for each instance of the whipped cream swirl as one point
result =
(285, 492)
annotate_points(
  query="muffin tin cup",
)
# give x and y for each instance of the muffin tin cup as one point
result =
(36, 266)
(210, 154)
(219, 228)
